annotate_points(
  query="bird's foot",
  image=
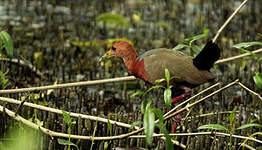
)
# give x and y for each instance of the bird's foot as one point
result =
(177, 119)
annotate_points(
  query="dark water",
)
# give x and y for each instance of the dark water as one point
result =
(64, 41)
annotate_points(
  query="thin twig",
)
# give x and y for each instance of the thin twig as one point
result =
(208, 114)
(200, 100)
(72, 114)
(246, 146)
(20, 106)
(228, 20)
(201, 133)
(249, 90)
(237, 57)
(207, 89)
(24, 64)
(66, 85)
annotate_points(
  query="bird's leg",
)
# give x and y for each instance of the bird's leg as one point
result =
(178, 117)
(187, 92)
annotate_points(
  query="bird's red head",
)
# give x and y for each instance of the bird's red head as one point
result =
(121, 49)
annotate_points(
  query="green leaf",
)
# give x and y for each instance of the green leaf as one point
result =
(213, 127)
(167, 75)
(197, 37)
(167, 97)
(248, 51)
(137, 93)
(136, 123)
(143, 106)
(116, 19)
(67, 118)
(180, 46)
(206, 30)
(73, 122)
(109, 127)
(169, 144)
(247, 44)
(232, 116)
(67, 142)
(159, 114)
(258, 80)
(6, 40)
(106, 145)
(149, 123)
(39, 122)
(154, 87)
(3, 80)
(249, 126)
(160, 80)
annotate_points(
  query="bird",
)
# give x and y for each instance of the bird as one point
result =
(187, 71)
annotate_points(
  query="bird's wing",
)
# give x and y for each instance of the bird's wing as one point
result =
(179, 65)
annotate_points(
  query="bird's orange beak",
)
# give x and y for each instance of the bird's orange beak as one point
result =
(106, 55)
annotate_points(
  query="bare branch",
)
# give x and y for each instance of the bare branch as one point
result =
(200, 100)
(228, 20)
(249, 90)
(201, 133)
(67, 85)
(237, 57)
(72, 114)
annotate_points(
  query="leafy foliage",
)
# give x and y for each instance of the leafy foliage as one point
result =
(213, 127)
(247, 44)
(149, 123)
(169, 144)
(7, 43)
(113, 19)
(258, 80)
(191, 49)
(168, 97)
(180, 46)
(4, 80)
(69, 122)
(250, 125)
(242, 46)
(67, 119)
(66, 142)
(167, 91)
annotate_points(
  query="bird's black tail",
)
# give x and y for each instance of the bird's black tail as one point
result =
(207, 57)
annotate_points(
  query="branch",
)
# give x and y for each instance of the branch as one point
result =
(200, 100)
(202, 133)
(237, 57)
(228, 20)
(24, 64)
(208, 114)
(66, 85)
(201, 92)
(249, 90)
(57, 111)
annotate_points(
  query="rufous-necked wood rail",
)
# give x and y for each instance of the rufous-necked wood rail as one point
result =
(188, 72)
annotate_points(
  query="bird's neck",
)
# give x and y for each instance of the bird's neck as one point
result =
(136, 67)
(130, 61)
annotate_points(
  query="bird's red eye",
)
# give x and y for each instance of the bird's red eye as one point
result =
(113, 48)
